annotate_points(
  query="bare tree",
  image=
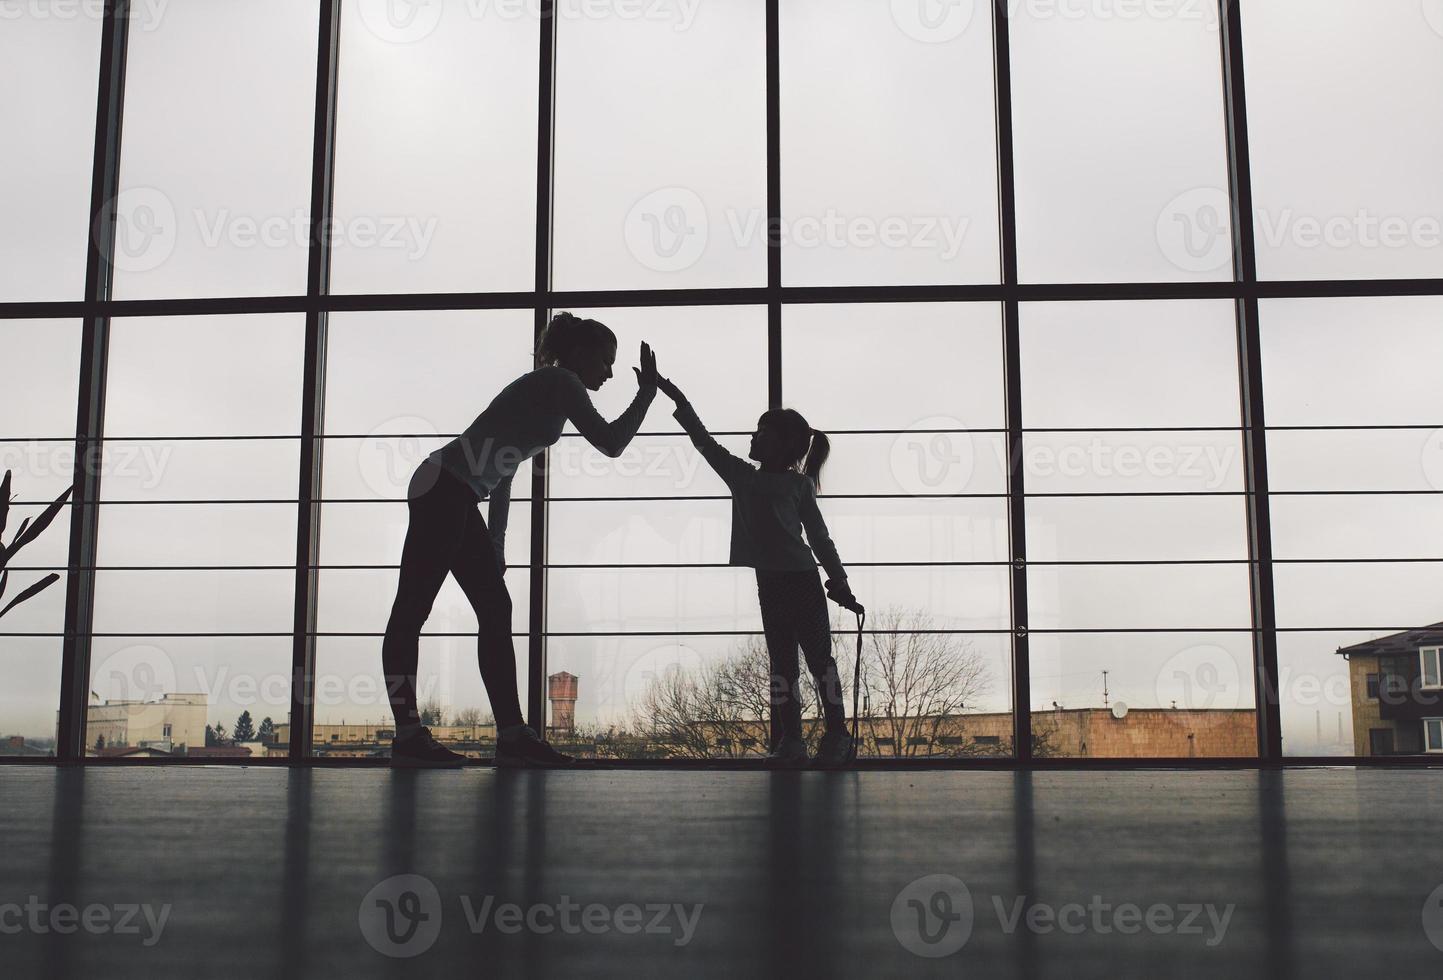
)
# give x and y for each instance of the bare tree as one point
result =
(916, 683)
(471, 717)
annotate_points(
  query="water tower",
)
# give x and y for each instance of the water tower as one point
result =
(561, 689)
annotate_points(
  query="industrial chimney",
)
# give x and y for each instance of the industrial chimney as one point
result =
(561, 689)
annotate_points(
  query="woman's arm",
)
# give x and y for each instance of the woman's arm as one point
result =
(730, 468)
(611, 438)
(498, 512)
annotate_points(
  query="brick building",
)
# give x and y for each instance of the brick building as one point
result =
(1396, 683)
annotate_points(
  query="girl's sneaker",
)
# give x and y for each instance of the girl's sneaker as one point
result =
(790, 753)
(835, 752)
(419, 750)
(522, 748)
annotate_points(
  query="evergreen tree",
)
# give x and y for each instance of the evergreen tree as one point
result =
(99, 742)
(210, 740)
(244, 729)
(267, 731)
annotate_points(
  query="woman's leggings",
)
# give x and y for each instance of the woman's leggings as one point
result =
(794, 614)
(446, 533)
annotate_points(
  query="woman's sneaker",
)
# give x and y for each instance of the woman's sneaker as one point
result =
(790, 753)
(522, 748)
(835, 752)
(419, 750)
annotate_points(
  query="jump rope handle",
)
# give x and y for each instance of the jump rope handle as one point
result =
(850, 603)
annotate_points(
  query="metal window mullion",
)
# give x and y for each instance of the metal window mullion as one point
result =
(312, 450)
(90, 402)
(774, 204)
(1250, 376)
(545, 180)
(1012, 366)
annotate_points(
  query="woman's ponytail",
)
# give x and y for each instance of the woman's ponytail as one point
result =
(817, 457)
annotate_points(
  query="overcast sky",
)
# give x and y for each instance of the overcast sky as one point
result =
(888, 177)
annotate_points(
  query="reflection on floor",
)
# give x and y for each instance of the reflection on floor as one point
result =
(230, 872)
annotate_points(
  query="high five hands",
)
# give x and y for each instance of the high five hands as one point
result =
(646, 375)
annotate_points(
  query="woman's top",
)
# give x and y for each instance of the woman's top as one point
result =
(526, 417)
(769, 510)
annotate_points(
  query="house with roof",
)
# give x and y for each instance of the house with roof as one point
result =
(1397, 692)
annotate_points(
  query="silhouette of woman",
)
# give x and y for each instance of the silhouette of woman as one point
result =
(446, 532)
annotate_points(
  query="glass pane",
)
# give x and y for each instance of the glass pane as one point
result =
(1352, 361)
(374, 533)
(1367, 205)
(436, 148)
(895, 366)
(205, 376)
(38, 399)
(359, 601)
(353, 715)
(215, 177)
(1329, 706)
(197, 534)
(1152, 597)
(1133, 462)
(1120, 143)
(49, 149)
(1195, 528)
(1143, 695)
(951, 689)
(1126, 365)
(888, 176)
(190, 601)
(661, 147)
(1358, 595)
(156, 696)
(31, 692)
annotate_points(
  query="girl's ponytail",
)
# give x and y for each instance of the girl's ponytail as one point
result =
(817, 457)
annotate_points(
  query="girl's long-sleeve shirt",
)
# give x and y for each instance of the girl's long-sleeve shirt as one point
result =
(526, 417)
(769, 510)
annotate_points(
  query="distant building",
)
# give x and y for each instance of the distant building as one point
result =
(561, 691)
(1397, 692)
(172, 724)
(14, 745)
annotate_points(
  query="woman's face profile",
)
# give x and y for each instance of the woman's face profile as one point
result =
(593, 365)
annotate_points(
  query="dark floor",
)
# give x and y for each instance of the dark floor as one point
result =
(275, 873)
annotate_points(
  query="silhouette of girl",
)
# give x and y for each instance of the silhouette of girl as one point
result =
(446, 532)
(771, 506)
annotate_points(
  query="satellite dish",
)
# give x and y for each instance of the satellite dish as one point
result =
(1119, 710)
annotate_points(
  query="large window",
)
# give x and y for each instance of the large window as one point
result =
(1120, 468)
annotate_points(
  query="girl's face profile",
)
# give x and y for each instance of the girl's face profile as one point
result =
(766, 444)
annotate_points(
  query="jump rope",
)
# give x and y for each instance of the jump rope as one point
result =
(851, 604)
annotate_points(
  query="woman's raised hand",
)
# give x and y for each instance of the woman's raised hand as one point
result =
(646, 375)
